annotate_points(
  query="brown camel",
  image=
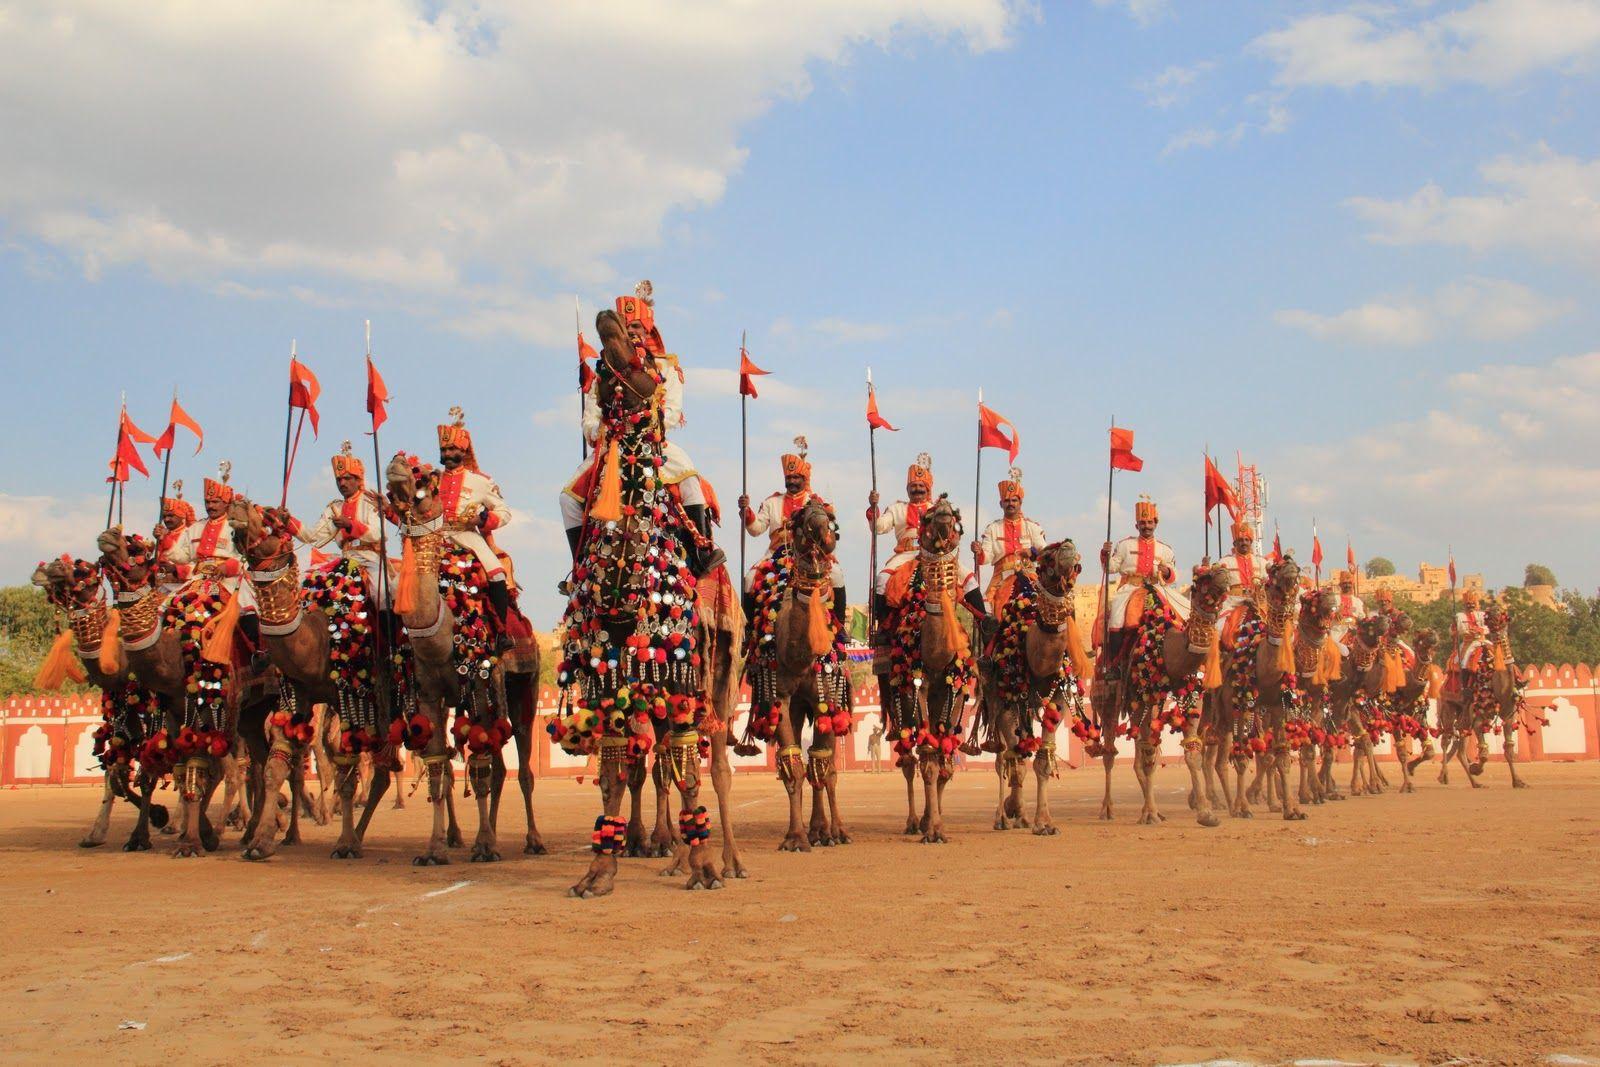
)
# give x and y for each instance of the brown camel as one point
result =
(631, 626)
(1357, 695)
(1408, 706)
(932, 673)
(1484, 698)
(1317, 663)
(1259, 693)
(1173, 658)
(1030, 682)
(796, 673)
(298, 644)
(77, 590)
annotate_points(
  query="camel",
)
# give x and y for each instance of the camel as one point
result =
(797, 672)
(1036, 671)
(1171, 655)
(493, 697)
(632, 625)
(1408, 706)
(1259, 691)
(298, 643)
(1357, 698)
(931, 674)
(1317, 666)
(134, 715)
(1477, 698)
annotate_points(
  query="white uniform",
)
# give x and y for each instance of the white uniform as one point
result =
(678, 469)
(1133, 561)
(358, 542)
(1472, 633)
(903, 520)
(207, 548)
(1245, 573)
(1003, 538)
(1348, 609)
(472, 508)
(771, 517)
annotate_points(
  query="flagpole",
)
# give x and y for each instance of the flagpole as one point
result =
(1105, 553)
(1205, 542)
(1316, 543)
(577, 318)
(872, 527)
(116, 461)
(166, 462)
(744, 451)
(977, 495)
(1455, 632)
(288, 424)
(381, 666)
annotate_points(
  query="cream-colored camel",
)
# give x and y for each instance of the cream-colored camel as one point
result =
(1255, 701)
(1501, 700)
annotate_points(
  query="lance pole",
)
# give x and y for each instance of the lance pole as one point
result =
(744, 451)
(977, 494)
(166, 464)
(288, 426)
(577, 318)
(116, 462)
(1105, 553)
(872, 528)
(382, 666)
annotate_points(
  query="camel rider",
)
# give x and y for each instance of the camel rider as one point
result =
(473, 509)
(772, 518)
(1471, 630)
(1383, 604)
(1247, 570)
(176, 516)
(207, 548)
(637, 313)
(903, 518)
(1009, 544)
(1137, 563)
(352, 520)
(1348, 608)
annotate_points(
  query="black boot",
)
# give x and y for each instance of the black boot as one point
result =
(702, 560)
(574, 542)
(880, 613)
(500, 602)
(841, 609)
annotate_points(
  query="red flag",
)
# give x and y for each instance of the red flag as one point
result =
(1122, 457)
(134, 433)
(748, 372)
(377, 397)
(1218, 491)
(991, 432)
(1277, 548)
(179, 417)
(1452, 571)
(1350, 556)
(127, 456)
(876, 421)
(304, 390)
(1316, 550)
(586, 356)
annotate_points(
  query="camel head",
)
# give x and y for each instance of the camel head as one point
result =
(1211, 586)
(413, 489)
(1426, 643)
(1496, 618)
(1370, 631)
(1059, 566)
(1317, 611)
(816, 534)
(1399, 626)
(127, 560)
(69, 583)
(262, 533)
(1283, 580)
(940, 532)
(617, 352)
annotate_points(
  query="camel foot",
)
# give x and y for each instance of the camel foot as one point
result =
(1045, 830)
(1475, 769)
(1336, 795)
(453, 838)
(702, 875)
(935, 836)
(90, 842)
(234, 821)
(794, 842)
(677, 867)
(137, 844)
(1294, 816)
(840, 837)
(598, 881)
(1408, 788)
(168, 830)
(1243, 813)
(258, 851)
(1151, 818)
(291, 838)
(484, 853)
(637, 850)
(1208, 818)
(431, 859)
(818, 835)
(534, 846)
(733, 867)
(912, 826)
(186, 850)
(1518, 783)
(208, 837)
(1444, 778)
(346, 852)
(1105, 811)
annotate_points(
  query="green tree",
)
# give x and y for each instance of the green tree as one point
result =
(1379, 567)
(27, 626)
(1538, 574)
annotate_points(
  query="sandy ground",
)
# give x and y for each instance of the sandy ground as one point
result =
(1447, 925)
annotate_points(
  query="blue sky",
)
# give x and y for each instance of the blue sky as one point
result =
(1355, 242)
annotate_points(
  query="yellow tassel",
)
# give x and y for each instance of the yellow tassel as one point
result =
(219, 632)
(1330, 665)
(405, 587)
(1286, 652)
(1499, 657)
(608, 504)
(1435, 682)
(58, 664)
(1075, 651)
(1212, 678)
(1394, 671)
(954, 632)
(818, 630)
(111, 644)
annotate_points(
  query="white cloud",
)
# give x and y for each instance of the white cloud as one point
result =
(1144, 12)
(1478, 309)
(1547, 204)
(724, 381)
(1195, 137)
(846, 331)
(1487, 42)
(1268, 116)
(400, 144)
(33, 528)
(1171, 86)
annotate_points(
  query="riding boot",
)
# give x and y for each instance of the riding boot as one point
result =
(749, 602)
(250, 626)
(841, 610)
(702, 560)
(574, 542)
(500, 604)
(880, 614)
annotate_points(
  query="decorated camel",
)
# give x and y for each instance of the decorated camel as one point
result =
(439, 599)
(632, 667)
(1370, 673)
(1408, 705)
(1318, 664)
(797, 671)
(1033, 676)
(1485, 696)
(1166, 659)
(132, 713)
(931, 670)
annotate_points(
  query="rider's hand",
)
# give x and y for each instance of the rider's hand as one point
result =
(744, 502)
(976, 548)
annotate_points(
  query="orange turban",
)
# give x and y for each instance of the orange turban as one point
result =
(1471, 597)
(346, 463)
(1384, 596)
(176, 505)
(1243, 531)
(1011, 484)
(921, 472)
(640, 308)
(796, 464)
(218, 488)
(454, 434)
(1145, 508)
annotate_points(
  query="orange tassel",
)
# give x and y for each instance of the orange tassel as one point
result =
(405, 586)
(1435, 682)
(1075, 651)
(954, 632)
(111, 644)
(1286, 652)
(1498, 661)
(219, 632)
(818, 630)
(608, 504)
(1330, 665)
(59, 664)
(1212, 678)
(1394, 671)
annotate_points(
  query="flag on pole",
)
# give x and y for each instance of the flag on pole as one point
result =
(304, 390)
(1277, 547)
(127, 456)
(179, 417)
(1350, 556)
(748, 372)
(586, 356)
(875, 420)
(1122, 457)
(1219, 492)
(1452, 571)
(133, 432)
(992, 427)
(377, 396)
(1316, 548)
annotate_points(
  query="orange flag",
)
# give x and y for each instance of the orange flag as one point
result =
(179, 417)
(134, 433)
(586, 356)
(991, 431)
(377, 397)
(748, 372)
(876, 421)
(1122, 457)
(304, 390)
